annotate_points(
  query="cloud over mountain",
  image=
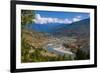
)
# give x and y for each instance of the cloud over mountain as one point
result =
(44, 20)
(77, 18)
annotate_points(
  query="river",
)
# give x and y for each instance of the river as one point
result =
(59, 49)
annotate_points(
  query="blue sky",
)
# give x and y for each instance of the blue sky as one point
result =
(44, 17)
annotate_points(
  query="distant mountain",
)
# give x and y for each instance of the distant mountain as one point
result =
(56, 27)
(46, 28)
(81, 28)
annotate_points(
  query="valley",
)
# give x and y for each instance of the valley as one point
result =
(63, 43)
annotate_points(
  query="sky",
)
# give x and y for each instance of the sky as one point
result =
(46, 17)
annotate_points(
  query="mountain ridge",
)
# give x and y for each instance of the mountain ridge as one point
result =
(50, 28)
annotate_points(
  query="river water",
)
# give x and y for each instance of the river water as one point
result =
(59, 51)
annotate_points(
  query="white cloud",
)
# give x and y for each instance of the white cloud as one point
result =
(77, 18)
(44, 20)
(38, 19)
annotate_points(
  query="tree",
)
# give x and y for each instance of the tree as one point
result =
(27, 17)
(81, 55)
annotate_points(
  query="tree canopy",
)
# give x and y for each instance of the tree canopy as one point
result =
(27, 17)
